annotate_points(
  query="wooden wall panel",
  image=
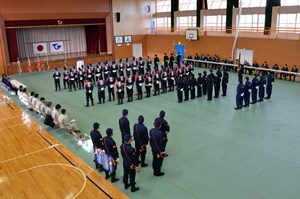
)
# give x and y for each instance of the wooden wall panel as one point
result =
(125, 51)
(272, 50)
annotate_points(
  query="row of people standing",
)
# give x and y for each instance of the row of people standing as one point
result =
(106, 156)
(203, 85)
(255, 88)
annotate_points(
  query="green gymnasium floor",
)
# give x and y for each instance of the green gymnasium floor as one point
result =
(215, 152)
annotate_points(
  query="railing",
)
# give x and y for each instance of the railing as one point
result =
(236, 66)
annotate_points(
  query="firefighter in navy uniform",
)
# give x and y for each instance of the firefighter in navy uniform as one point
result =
(128, 67)
(101, 90)
(141, 139)
(254, 89)
(210, 84)
(139, 86)
(98, 146)
(172, 60)
(199, 85)
(204, 80)
(124, 124)
(119, 87)
(164, 127)
(225, 82)
(179, 84)
(111, 156)
(217, 82)
(114, 70)
(166, 60)
(239, 95)
(98, 72)
(247, 92)
(56, 76)
(178, 59)
(158, 148)
(121, 68)
(110, 85)
(193, 84)
(186, 88)
(89, 73)
(88, 88)
(141, 66)
(262, 85)
(130, 163)
(270, 82)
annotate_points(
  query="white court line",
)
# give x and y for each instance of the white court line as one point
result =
(10, 117)
(26, 154)
(11, 126)
(57, 164)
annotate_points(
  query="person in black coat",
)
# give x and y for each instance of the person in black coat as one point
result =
(111, 156)
(186, 87)
(156, 62)
(98, 146)
(199, 85)
(124, 124)
(158, 148)
(56, 76)
(209, 87)
(88, 88)
(179, 84)
(225, 82)
(141, 139)
(178, 59)
(130, 163)
(193, 84)
(217, 82)
(204, 80)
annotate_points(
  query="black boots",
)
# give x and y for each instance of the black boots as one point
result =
(107, 174)
(144, 164)
(134, 188)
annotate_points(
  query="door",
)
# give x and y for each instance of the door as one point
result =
(137, 50)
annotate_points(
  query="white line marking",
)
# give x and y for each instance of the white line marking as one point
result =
(6, 118)
(11, 126)
(67, 165)
(26, 154)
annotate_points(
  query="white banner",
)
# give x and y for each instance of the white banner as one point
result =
(39, 48)
(57, 46)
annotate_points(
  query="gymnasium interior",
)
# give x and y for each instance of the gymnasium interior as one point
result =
(214, 151)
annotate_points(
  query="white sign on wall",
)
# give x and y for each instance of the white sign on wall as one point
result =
(39, 48)
(57, 46)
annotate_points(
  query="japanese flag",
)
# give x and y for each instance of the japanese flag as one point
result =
(40, 48)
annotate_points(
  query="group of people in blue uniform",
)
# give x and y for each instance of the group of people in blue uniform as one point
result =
(255, 89)
(106, 156)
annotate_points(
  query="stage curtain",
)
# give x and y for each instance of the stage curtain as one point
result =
(92, 39)
(12, 44)
(102, 38)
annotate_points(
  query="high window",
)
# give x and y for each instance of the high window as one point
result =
(189, 21)
(187, 5)
(289, 23)
(163, 6)
(215, 22)
(216, 4)
(254, 3)
(252, 22)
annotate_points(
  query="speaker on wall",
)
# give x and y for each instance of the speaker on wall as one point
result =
(118, 16)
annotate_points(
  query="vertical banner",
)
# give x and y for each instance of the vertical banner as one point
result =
(57, 46)
(39, 48)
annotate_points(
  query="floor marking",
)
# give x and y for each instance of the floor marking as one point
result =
(11, 126)
(6, 118)
(26, 154)
(57, 164)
